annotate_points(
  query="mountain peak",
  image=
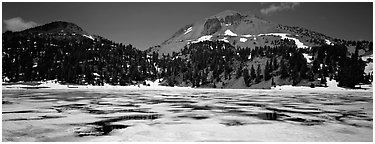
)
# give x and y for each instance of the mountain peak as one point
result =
(58, 26)
(226, 13)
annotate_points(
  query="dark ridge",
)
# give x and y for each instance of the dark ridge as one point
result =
(211, 26)
(57, 26)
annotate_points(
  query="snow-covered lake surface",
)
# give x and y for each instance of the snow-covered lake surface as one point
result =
(178, 114)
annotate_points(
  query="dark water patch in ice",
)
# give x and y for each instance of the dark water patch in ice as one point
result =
(35, 118)
(21, 111)
(223, 98)
(268, 115)
(197, 107)
(34, 87)
(71, 106)
(104, 127)
(133, 94)
(233, 123)
(7, 102)
(96, 111)
(173, 100)
(170, 95)
(104, 103)
(358, 123)
(62, 108)
(194, 116)
(304, 121)
(98, 130)
(127, 105)
(128, 117)
(176, 110)
(281, 109)
(305, 100)
(255, 104)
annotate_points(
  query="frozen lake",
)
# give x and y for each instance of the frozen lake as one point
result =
(185, 115)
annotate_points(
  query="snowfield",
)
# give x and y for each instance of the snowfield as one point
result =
(225, 39)
(364, 58)
(229, 33)
(307, 57)
(284, 36)
(249, 35)
(89, 36)
(328, 42)
(243, 39)
(203, 38)
(369, 66)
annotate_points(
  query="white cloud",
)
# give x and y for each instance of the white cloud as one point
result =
(18, 24)
(282, 6)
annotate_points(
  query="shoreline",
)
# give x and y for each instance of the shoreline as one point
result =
(50, 86)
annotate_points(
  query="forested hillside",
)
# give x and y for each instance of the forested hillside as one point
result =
(64, 52)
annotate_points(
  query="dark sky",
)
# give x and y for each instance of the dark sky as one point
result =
(148, 24)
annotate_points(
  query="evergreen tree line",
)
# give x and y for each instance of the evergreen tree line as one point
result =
(80, 60)
(76, 60)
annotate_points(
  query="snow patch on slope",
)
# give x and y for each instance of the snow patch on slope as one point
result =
(328, 42)
(331, 86)
(364, 58)
(203, 38)
(369, 65)
(229, 33)
(154, 83)
(188, 30)
(225, 39)
(284, 36)
(369, 68)
(248, 35)
(307, 57)
(88, 36)
(243, 39)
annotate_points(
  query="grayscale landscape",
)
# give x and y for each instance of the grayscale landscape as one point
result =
(187, 72)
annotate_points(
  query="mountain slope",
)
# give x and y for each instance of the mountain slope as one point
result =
(63, 52)
(222, 49)
(56, 27)
(244, 30)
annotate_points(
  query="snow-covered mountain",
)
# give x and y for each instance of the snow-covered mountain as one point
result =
(244, 30)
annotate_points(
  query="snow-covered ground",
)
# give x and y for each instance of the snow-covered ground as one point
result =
(331, 86)
(193, 115)
(364, 58)
(369, 66)
(248, 35)
(203, 38)
(88, 36)
(229, 33)
(52, 84)
(225, 39)
(284, 36)
(243, 39)
(328, 42)
(307, 57)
